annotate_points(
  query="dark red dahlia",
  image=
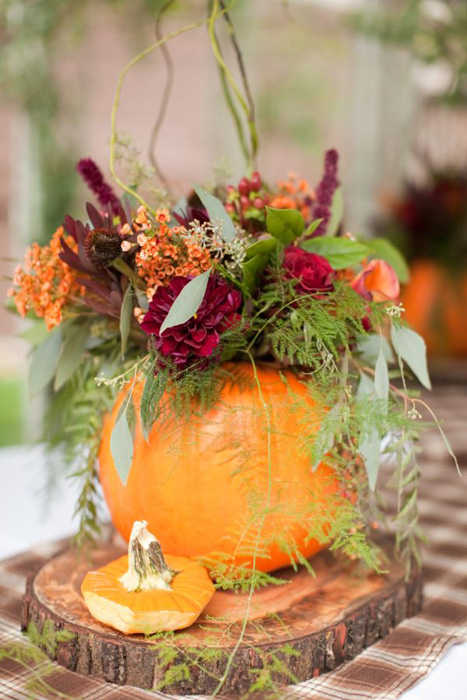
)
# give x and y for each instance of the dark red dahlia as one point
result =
(200, 336)
(314, 272)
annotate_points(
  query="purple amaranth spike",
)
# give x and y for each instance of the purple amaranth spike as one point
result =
(325, 191)
(94, 179)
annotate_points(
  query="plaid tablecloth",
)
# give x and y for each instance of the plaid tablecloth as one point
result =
(385, 670)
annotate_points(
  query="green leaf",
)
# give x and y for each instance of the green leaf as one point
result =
(126, 313)
(251, 269)
(264, 248)
(324, 441)
(412, 349)
(188, 301)
(154, 388)
(368, 348)
(143, 302)
(130, 200)
(71, 353)
(366, 388)
(121, 444)
(36, 333)
(339, 252)
(370, 450)
(284, 224)
(337, 213)
(385, 250)
(382, 376)
(43, 361)
(312, 227)
(216, 210)
(181, 206)
(256, 259)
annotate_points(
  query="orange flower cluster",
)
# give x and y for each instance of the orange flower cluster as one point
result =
(294, 193)
(160, 257)
(45, 283)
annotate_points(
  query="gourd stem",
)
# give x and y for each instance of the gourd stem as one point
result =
(147, 568)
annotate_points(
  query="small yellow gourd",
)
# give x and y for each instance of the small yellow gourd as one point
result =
(144, 592)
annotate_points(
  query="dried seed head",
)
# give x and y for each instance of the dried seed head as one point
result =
(102, 247)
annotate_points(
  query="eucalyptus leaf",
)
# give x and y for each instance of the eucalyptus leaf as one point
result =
(216, 210)
(337, 213)
(324, 441)
(366, 388)
(412, 349)
(36, 333)
(381, 376)
(370, 450)
(130, 200)
(188, 301)
(385, 250)
(71, 353)
(143, 302)
(121, 445)
(154, 388)
(126, 313)
(339, 252)
(181, 206)
(284, 224)
(43, 362)
(368, 348)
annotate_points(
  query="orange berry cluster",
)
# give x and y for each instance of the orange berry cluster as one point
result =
(163, 252)
(294, 193)
(45, 283)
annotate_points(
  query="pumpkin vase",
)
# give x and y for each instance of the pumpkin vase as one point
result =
(235, 485)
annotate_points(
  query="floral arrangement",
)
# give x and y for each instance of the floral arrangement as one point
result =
(248, 271)
(167, 309)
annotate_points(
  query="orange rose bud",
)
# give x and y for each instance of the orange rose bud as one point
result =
(377, 282)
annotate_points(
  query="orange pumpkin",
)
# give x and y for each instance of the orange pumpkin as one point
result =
(436, 303)
(144, 592)
(231, 482)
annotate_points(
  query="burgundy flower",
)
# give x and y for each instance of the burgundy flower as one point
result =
(325, 191)
(199, 337)
(313, 271)
(94, 179)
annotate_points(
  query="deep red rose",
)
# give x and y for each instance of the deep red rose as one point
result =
(313, 271)
(200, 336)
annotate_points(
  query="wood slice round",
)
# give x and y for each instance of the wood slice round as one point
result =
(299, 630)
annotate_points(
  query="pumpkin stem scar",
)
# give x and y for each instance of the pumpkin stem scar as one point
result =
(147, 568)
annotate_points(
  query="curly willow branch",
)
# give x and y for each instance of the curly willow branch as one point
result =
(219, 10)
(118, 91)
(246, 84)
(233, 110)
(165, 97)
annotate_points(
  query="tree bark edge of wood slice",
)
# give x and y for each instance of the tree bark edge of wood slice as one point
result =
(308, 628)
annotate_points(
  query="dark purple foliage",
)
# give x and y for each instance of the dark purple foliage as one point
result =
(191, 214)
